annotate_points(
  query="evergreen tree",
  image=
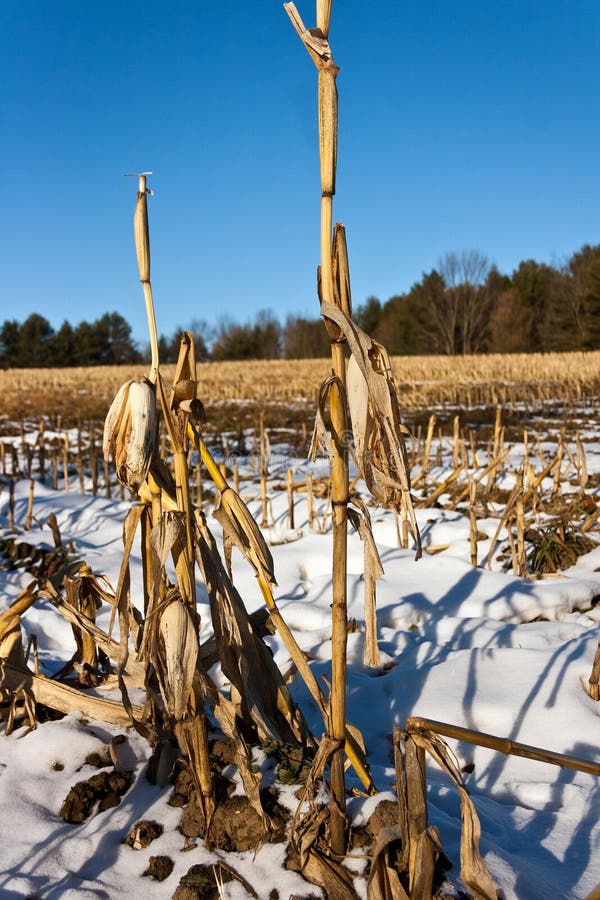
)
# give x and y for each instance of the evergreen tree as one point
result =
(62, 348)
(114, 341)
(9, 343)
(368, 315)
(34, 342)
(583, 295)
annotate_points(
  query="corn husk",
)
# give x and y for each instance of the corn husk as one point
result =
(169, 636)
(141, 232)
(130, 432)
(180, 654)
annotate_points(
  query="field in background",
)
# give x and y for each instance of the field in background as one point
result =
(68, 395)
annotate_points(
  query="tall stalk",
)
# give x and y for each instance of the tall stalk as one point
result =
(316, 43)
(192, 734)
(142, 249)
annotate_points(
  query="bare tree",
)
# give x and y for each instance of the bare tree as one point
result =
(439, 313)
(468, 302)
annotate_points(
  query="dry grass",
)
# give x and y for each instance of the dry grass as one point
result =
(423, 381)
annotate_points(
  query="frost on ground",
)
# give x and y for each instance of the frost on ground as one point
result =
(475, 647)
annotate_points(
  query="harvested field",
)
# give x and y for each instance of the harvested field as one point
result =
(423, 382)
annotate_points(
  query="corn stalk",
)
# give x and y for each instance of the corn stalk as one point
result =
(176, 413)
(316, 43)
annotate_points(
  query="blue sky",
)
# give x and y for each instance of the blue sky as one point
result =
(462, 125)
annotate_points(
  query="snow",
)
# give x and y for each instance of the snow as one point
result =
(475, 647)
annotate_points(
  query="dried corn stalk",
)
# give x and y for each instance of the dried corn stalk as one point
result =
(473, 870)
(245, 534)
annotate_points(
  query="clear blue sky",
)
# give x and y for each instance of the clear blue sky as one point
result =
(462, 125)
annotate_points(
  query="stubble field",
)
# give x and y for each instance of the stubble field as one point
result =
(494, 630)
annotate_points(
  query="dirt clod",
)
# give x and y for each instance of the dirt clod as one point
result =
(159, 867)
(222, 753)
(200, 883)
(385, 815)
(98, 760)
(235, 826)
(182, 788)
(106, 787)
(193, 823)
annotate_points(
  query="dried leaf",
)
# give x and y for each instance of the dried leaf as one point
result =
(373, 570)
(11, 641)
(305, 830)
(373, 403)
(315, 43)
(306, 855)
(245, 659)
(239, 525)
(321, 437)
(99, 637)
(81, 594)
(62, 697)
(384, 880)
(225, 714)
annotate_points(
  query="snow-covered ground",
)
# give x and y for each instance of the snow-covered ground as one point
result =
(469, 646)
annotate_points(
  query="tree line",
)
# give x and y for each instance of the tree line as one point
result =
(463, 305)
(34, 342)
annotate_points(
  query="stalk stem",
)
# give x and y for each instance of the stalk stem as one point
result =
(154, 362)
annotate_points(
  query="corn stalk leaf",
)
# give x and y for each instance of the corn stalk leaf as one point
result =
(384, 881)
(225, 713)
(245, 659)
(374, 412)
(11, 640)
(373, 570)
(241, 528)
(62, 697)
